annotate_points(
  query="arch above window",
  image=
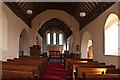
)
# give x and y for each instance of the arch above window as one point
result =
(111, 35)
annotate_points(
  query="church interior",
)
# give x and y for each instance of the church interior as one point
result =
(59, 40)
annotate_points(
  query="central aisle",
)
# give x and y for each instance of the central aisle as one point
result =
(55, 71)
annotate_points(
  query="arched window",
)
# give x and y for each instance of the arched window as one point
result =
(60, 39)
(54, 38)
(48, 38)
(111, 35)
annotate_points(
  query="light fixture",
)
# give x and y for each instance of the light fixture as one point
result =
(29, 11)
(82, 14)
(71, 28)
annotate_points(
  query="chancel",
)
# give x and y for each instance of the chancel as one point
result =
(60, 40)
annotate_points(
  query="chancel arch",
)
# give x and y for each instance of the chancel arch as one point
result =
(59, 29)
(47, 15)
(87, 46)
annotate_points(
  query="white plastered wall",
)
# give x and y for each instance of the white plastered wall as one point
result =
(0, 34)
(41, 18)
(12, 26)
(96, 30)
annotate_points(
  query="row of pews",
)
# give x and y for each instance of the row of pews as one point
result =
(24, 68)
(87, 69)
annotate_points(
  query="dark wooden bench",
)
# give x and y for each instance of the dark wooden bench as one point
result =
(44, 61)
(23, 68)
(70, 65)
(30, 61)
(26, 64)
(113, 71)
(89, 76)
(17, 75)
(80, 72)
(71, 61)
(89, 66)
(110, 74)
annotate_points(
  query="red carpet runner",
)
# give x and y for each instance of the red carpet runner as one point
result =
(55, 71)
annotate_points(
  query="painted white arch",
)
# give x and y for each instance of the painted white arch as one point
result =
(24, 43)
(84, 44)
(41, 18)
(112, 18)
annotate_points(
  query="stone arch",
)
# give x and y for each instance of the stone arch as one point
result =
(112, 18)
(85, 44)
(47, 15)
(24, 44)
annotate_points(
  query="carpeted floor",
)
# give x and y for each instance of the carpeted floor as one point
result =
(55, 71)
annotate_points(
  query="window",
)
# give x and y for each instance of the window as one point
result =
(111, 35)
(60, 39)
(54, 38)
(48, 38)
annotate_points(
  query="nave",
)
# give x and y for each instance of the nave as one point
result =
(60, 40)
(39, 68)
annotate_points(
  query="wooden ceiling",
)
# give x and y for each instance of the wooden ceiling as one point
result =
(92, 9)
(51, 24)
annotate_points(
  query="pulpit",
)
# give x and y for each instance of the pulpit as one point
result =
(35, 50)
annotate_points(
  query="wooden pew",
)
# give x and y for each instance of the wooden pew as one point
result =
(70, 65)
(89, 76)
(80, 71)
(113, 71)
(89, 66)
(17, 75)
(30, 61)
(24, 68)
(27, 63)
(42, 61)
(71, 61)
(110, 74)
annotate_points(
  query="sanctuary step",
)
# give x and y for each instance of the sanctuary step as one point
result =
(55, 60)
